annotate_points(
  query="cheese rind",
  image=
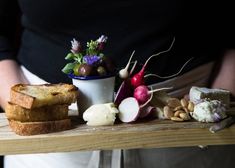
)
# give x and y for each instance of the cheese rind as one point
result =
(198, 94)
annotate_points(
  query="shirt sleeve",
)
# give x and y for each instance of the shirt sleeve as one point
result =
(9, 14)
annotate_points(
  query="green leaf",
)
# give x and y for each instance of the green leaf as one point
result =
(69, 56)
(68, 68)
(78, 57)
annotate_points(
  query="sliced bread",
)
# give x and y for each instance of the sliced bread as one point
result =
(35, 128)
(45, 113)
(34, 96)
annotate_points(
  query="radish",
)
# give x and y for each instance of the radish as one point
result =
(143, 94)
(129, 110)
(138, 79)
(123, 73)
(125, 90)
(146, 111)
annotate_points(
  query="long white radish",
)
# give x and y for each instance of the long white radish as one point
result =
(123, 73)
(125, 90)
(128, 110)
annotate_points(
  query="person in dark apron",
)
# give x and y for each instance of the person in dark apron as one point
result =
(35, 51)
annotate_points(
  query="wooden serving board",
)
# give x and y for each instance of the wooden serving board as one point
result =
(143, 134)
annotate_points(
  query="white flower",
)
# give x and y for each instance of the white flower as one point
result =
(75, 46)
(102, 39)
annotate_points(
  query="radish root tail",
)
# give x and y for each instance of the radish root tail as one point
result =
(160, 89)
(133, 67)
(165, 51)
(128, 64)
(170, 76)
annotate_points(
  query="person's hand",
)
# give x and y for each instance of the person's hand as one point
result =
(10, 74)
(225, 78)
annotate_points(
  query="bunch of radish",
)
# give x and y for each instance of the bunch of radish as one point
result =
(133, 97)
(138, 105)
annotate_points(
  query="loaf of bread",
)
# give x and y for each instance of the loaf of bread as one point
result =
(34, 96)
(45, 113)
(35, 128)
(40, 109)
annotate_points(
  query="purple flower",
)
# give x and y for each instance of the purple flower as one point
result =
(76, 46)
(91, 59)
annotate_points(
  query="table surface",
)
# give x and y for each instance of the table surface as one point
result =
(142, 134)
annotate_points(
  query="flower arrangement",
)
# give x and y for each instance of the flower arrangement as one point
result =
(90, 61)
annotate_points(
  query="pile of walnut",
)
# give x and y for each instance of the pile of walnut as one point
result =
(178, 110)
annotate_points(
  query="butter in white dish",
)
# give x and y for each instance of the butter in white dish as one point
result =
(100, 114)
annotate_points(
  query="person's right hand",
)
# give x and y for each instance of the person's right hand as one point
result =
(10, 74)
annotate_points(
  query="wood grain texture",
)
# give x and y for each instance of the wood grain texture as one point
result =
(144, 134)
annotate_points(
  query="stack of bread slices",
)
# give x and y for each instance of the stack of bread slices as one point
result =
(40, 109)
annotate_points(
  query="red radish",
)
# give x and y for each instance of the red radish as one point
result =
(123, 73)
(138, 79)
(129, 110)
(143, 94)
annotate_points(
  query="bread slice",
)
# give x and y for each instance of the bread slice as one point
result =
(45, 113)
(35, 128)
(34, 96)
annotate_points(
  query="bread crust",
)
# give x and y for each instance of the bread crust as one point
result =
(51, 94)
(35, 128)
(45, 113)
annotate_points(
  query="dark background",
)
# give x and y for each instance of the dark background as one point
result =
(1, 161)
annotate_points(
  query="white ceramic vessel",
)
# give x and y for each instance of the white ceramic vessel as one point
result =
(94, 91)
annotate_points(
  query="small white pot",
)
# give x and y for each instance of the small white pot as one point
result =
(94, 91)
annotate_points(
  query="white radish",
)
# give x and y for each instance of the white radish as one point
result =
(125, 90)
(129, 110)
(123, 73)
(143, 94)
